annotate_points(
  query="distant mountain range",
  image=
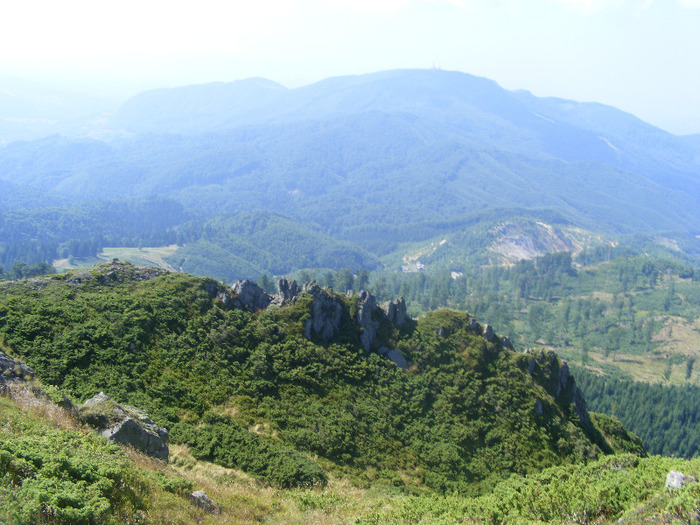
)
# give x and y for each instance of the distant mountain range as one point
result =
(376, 159)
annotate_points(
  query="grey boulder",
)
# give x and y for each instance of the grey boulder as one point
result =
(125, 425)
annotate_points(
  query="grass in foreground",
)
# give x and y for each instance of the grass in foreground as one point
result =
(54, 471)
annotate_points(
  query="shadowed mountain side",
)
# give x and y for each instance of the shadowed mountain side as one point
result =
(381, 159)
(409, 146)
(249, 244)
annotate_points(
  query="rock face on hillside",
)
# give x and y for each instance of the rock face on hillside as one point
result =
(367, 318)
(115, 272)
(126, 425)
(249, 296)
(366, 308)
(327, 311)
(13, 370)
(489, 335)
(288, 292)
(16, 379)
(554, 374)
(326, 314)
(395, 356)
(395, 312)
(200, 499)
(675, 480)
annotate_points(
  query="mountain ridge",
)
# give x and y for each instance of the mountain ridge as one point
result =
(443, 136)
(189, 351)
(374, 160)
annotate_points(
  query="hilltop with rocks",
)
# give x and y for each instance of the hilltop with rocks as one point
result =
(303, 387)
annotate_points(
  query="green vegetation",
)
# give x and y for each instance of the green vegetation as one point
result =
(44, 234)
(621, 487)
(225, 443)
(299, 430)
(249, 244)
(21, 270)
(617, 313)
(50, 474)
(466, 415)
(664, 417)
(286, 429)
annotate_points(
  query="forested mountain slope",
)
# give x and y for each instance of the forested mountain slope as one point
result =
(377, 159)
(313, 376)
(302, 393)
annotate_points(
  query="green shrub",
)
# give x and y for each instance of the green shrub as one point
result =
(222, 441)
(60, 476)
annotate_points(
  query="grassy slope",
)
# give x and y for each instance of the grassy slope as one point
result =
(149, 256)
(623, 488)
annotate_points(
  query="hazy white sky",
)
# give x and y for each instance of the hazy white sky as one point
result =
(642, 56)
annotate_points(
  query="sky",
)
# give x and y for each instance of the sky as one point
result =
(642, 56)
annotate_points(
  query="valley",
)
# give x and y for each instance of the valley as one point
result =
(411, 296)
(147, 256)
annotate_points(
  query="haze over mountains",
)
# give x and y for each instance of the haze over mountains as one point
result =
(374, 159)
(377, 177)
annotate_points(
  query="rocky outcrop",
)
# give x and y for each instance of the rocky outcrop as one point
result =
(12, 369)
(395, 356)
(126, 425)
(115, 272)
(555, 376)
(249, 296)
(367, 311)
(326, 313)
(16, 380)
(675, 480)
(488, 333)
(200, 499)
(366, 307)
(395, 312)
(580, 408)
(538, 407)
(288, 292)
(564, 376)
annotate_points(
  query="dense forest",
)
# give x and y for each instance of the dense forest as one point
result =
(41, 235)
(304, 428)
(468, 413)
(611, 311)
(664, 417)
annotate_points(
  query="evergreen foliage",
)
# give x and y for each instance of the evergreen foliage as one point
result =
(607, 300)
(81, 230)
(664, 417)
(621, 488)
(247, 245)
(463, 417)
(51, 475)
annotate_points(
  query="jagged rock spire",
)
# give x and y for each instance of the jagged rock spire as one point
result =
(250, 296)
